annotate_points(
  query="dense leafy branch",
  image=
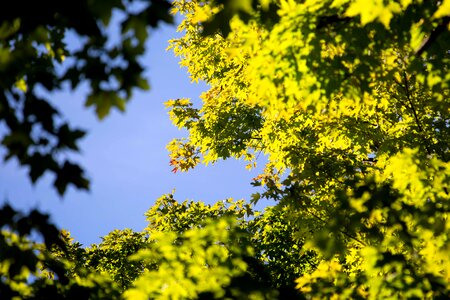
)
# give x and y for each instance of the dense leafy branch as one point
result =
(355, 156)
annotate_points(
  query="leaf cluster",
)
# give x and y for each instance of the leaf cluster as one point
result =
(348, 100)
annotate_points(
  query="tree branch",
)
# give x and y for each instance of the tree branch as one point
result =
(340, 230)
(428, 41)
(416, 118)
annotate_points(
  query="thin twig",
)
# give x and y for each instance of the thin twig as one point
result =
(428, 41)
(419, 125)
(341, 231)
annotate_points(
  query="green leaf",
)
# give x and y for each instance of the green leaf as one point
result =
(104, 101)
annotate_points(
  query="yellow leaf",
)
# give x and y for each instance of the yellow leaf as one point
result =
(417, 35)
(22, 85)
(443, 10)
(339, 3)
(372, 10)
(200, 16)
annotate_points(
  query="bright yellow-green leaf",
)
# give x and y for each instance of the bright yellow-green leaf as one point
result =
(443, 9)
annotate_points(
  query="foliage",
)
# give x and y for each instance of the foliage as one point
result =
(188, 250)
(218, 251)
(277, 258)
(29, 270)
(38, 57)
(198, 261)
(111, 256)
(349, 102)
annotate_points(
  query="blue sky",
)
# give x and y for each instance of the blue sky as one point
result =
(126, 159)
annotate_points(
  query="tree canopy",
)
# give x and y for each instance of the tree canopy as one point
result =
(348, 101)
(188, 250)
